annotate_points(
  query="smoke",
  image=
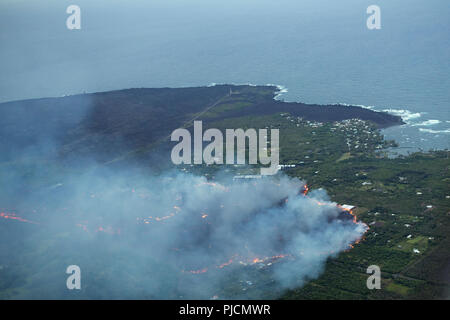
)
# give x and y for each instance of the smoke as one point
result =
(172, 235)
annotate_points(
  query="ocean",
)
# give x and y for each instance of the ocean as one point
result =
(320, 51)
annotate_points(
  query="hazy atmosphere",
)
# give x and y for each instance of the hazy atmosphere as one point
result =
(362, 174)
(320, 50)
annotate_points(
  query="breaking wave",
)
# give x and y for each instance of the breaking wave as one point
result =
(426, 123)
(434, 131)
(406, 115)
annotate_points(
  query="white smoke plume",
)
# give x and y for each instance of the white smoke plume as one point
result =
(173, 235)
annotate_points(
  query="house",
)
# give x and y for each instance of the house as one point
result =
(348, 207)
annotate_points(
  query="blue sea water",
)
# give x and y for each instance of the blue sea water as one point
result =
(320, 50)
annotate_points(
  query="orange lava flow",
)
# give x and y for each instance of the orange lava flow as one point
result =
(13, 216)
(306, 190)
(355, 220)
(223, 265)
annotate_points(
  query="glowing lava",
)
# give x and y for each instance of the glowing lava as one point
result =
(13, 216)
(305, 190)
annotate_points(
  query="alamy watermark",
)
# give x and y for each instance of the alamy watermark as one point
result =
(74, 280)
(235, 145)
(374, 281)
(73, 22)
(374, 20)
